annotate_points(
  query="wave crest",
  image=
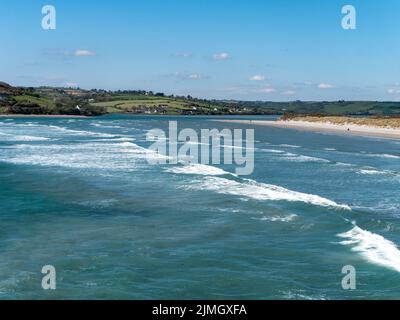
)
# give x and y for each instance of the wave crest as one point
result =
(373, 247)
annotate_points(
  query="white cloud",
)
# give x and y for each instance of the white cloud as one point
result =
(221, 56)
(84, 53)
(188, 76)
(325, 86)
(393, 91)
(257, 77)
(266, 90)
(194, 76)
(71, 85)
(289, 93)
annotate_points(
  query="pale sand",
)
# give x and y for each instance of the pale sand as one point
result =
(326, 127)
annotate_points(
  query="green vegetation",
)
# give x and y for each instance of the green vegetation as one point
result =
(361, 108)
(45, 101)
(72, 101)
(146, 104)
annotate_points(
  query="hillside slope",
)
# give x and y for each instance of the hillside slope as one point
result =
(72, 101)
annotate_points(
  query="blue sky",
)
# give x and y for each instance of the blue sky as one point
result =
(240, 49)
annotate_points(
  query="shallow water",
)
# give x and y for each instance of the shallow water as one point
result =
(79, 194)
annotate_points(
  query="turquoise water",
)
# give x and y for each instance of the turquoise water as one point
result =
(79, 194)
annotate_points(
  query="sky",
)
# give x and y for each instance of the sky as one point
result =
(273, 50)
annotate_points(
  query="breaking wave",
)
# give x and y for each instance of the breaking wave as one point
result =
(259, 191)
(199, 169)
(373, 247)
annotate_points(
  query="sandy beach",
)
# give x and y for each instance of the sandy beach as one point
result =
(348, 129)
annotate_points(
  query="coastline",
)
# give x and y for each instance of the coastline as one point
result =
(39, 116)
(348, 129)
(301, 125)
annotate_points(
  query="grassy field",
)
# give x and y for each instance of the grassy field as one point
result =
(43, 102)
(153, 104)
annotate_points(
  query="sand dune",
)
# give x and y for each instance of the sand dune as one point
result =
(326, 126)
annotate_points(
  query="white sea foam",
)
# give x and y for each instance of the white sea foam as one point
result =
(301, 296)
(372, 172)
(295, 157)
(259, 191)
(344, 164)
(382, 155)
(302, 158)
(289, 146)
(82, 132)
(26, 124)
(382, 206)
(12, 129)
(29, 138)
(122, 139)
(373, 247)
(230, 210)
(238, 148)
(106, 126)
(272, 151)
(98, 155)
(199, 169)
(18, 138)
(288, 218)
(390, 156)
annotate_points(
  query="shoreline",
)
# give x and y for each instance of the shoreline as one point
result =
(40, 116)
(322, 127)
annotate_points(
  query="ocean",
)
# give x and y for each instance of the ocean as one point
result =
(79, 194)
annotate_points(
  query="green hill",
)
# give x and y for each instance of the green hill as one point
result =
(72, 101)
